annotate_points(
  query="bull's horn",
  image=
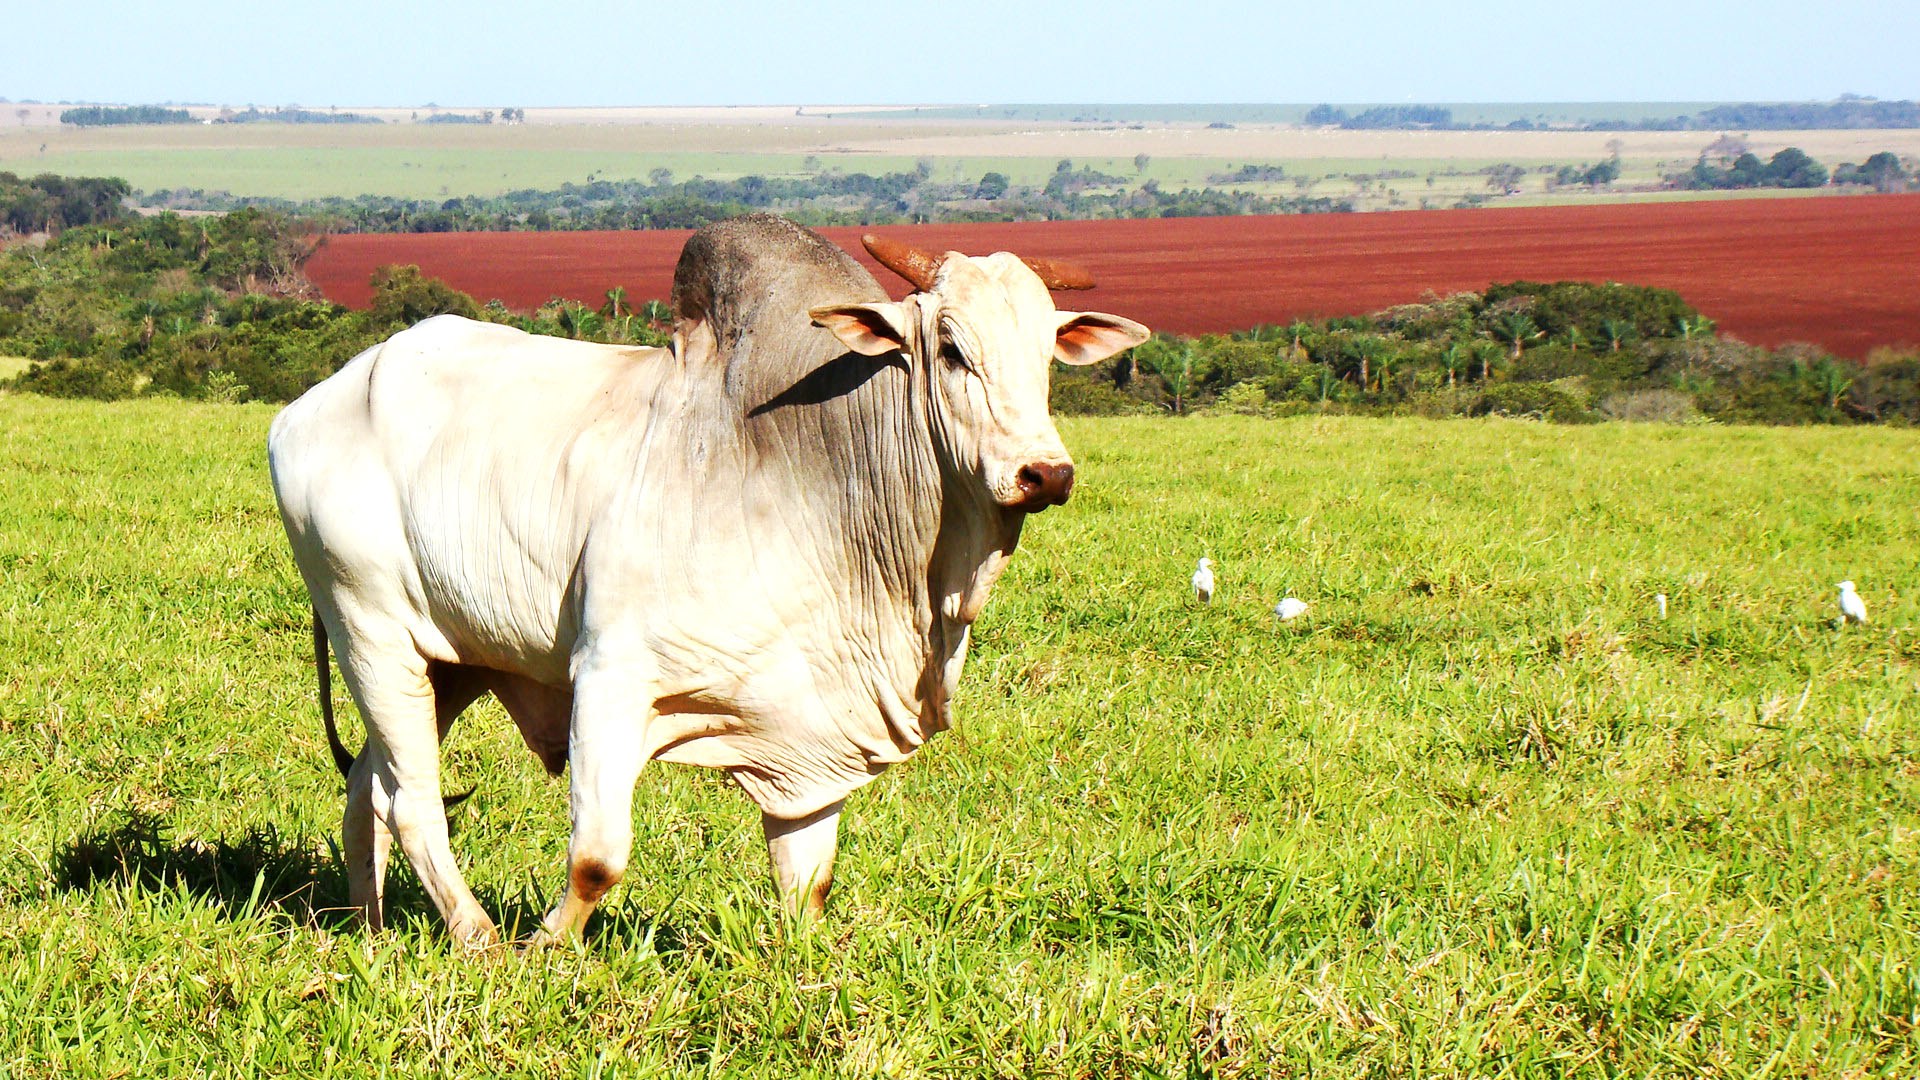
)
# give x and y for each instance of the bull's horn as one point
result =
(1059, 275)
(918, 267)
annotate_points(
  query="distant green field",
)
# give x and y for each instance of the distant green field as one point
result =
(441, 172)
(409, 172)
(1577, 196)
(433, 162)
(1481, 812)
(13, 365)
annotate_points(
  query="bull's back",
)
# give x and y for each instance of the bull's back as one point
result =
(443, 482)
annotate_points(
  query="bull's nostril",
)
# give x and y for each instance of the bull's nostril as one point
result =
(1043, 484)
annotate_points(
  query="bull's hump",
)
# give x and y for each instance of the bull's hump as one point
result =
(759, 273)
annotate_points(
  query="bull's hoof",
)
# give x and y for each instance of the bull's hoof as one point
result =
(544, 939)
(476, 935)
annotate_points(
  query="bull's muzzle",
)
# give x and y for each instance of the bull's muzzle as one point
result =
(1043, 484)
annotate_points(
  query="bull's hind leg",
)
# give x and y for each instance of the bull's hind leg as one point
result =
(396, 783)
(366, 841)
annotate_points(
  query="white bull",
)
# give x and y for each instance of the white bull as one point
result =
(759, 551)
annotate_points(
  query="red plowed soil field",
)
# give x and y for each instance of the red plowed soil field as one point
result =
(1841, 272)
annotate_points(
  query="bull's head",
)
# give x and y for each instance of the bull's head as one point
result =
(985, 332)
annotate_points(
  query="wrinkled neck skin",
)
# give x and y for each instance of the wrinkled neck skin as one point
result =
(919, 540)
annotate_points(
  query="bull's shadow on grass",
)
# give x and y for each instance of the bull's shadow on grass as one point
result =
(301, 879)
(261, 871)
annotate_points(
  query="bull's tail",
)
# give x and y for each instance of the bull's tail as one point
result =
(342, 759)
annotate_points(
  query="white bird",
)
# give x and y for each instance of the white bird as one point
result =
(1660, 601)
(1852, 608)
(1290, 608)
(1203, 582)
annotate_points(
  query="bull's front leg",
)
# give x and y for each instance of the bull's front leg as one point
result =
(606, 749)
(802, 851)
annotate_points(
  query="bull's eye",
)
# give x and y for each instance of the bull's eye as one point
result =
(950, 352)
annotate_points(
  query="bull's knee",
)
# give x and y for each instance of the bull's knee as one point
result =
(591, 877)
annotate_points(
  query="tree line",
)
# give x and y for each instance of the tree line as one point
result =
(830, 197)
(292, 114)
(50, 203)
(1846, 113)
(216, 308)
(108, 115)
(1568, 352)
(1727, 164)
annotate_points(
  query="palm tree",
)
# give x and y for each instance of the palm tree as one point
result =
(1366, 348)
(1297, 332)
(1490, 355)
(1830, 380)
(1325, 382)
(1690, 326)
(1615, 331)
(1388, 361)
(657, 314)
(1176, 370)
(577, 320)
(1516, 328)
(616, 304)
(1455, 359)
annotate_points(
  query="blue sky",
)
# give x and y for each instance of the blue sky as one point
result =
(571, 52)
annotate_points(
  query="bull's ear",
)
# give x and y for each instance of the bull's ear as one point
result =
(868, 329)
(1087, 337)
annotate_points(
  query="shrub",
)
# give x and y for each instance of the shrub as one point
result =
(1585, 305)
(92, 377)
(1242, 399)
(1887, 388)
(224, 387)
(402, 296)
(1445, 401)
(1076, 394)
(1650, 407)
(1555, 401)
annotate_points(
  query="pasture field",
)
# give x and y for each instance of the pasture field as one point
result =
(418, 160)
(1480, 812)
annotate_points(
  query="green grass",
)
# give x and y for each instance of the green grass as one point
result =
(1479, 813)
(13, 365)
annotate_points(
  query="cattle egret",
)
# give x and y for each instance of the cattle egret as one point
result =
(1660, 601)
(1290, 608)
(1203, 582)
(1852, 608)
